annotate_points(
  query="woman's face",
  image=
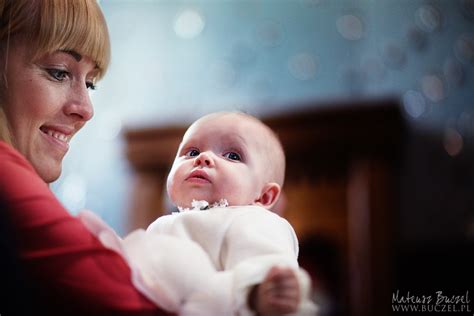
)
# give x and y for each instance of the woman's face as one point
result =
(46, 103)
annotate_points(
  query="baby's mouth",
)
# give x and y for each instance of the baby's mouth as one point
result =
(198, 175)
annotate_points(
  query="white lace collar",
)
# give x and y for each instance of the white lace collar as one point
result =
(204, 205)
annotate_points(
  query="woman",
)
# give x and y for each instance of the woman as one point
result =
(51, 53)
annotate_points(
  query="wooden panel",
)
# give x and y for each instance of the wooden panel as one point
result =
(318, 207)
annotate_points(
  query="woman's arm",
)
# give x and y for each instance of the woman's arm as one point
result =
(67, 265)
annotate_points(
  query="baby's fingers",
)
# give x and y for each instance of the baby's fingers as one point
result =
(286, 292)
(277, 274)
(283, 305)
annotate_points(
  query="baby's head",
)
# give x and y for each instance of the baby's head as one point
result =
(228, 155)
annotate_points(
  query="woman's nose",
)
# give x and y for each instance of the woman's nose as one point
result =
(204, 159)
(80, 106)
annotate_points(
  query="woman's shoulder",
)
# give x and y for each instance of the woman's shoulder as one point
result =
(9, 157)
(18, 178)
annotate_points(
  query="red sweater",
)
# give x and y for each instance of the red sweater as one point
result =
(71, 268)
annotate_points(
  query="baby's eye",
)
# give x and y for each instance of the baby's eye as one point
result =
(233, 156)
(192, 153)
(57, 74)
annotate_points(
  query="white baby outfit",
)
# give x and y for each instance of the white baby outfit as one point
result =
(204, 262)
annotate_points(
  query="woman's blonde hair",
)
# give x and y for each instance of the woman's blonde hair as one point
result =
(52, 25)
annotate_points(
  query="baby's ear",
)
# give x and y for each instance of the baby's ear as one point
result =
(269, 195)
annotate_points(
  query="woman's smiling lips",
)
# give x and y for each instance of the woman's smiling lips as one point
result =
(59, 136)
(198, 176)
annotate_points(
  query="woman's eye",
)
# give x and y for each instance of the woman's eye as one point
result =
(192, 153)
(58, 74)
(233, 156)
(90, 85)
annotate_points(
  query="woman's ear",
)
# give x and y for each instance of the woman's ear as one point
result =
(269, 195)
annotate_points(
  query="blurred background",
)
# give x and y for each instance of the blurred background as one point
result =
(393, 78)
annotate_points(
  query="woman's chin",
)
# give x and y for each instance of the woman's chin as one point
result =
(49, 173)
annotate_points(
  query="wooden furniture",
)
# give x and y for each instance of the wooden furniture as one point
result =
(342, 162)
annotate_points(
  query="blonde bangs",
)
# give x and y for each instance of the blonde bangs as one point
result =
(74, 26)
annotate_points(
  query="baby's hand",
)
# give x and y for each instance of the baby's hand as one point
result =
(278, 294)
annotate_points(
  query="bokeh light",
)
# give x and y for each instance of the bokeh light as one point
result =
(350, 27)
(428, 18)
(414, 103)
(189, 24)
(433, 88)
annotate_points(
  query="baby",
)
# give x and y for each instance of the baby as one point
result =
(224, 253)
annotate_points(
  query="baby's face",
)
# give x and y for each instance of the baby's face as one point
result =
(220, 157)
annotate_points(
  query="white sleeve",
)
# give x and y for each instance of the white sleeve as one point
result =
(254, 243)
(167, 269)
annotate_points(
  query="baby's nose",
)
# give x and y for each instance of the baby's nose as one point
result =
(203, 159)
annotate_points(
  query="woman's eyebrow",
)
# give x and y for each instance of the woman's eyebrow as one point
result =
(74, 54)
